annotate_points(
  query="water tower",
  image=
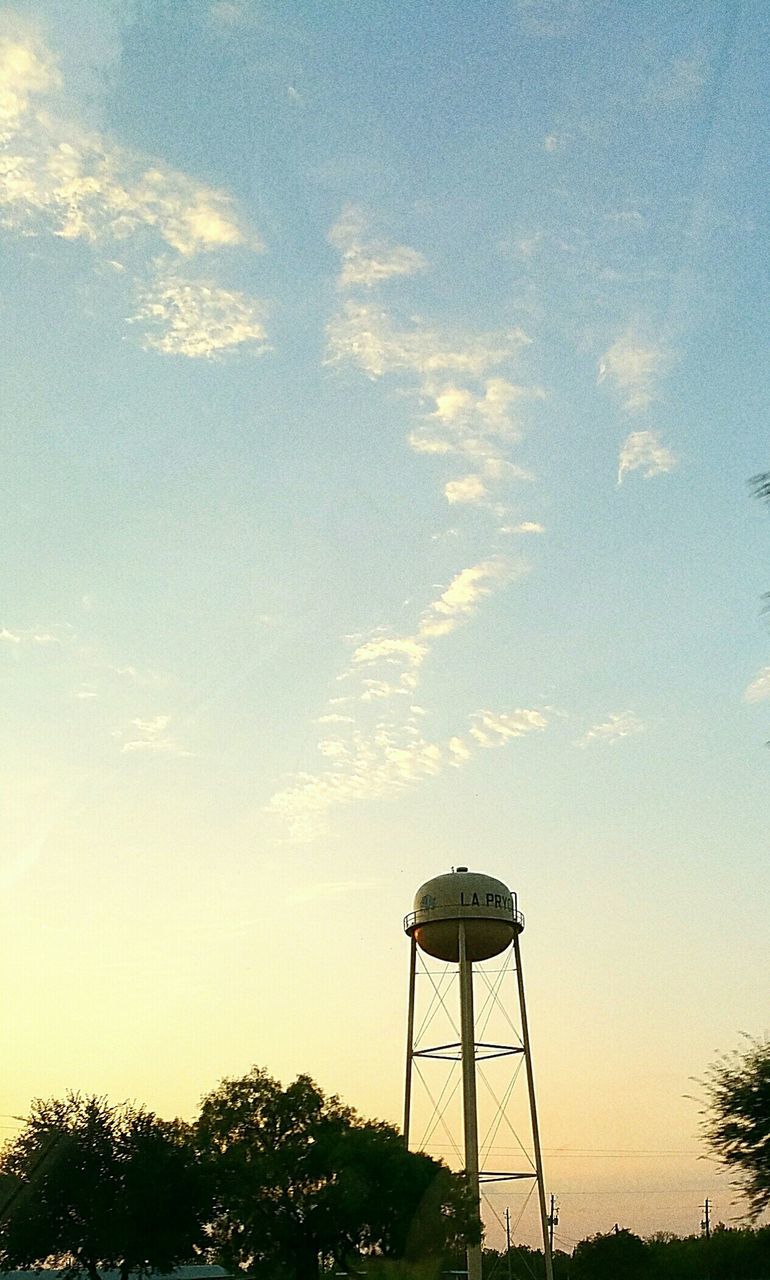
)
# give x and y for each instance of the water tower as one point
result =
(463, 919)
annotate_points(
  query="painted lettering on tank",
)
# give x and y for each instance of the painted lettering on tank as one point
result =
(499, 901)
(475, 900)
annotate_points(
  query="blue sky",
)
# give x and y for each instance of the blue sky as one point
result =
(380, 386)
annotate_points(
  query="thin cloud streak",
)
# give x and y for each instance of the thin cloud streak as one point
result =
(150, 736)
(468, 587)
(377, 745)
(56, 635)
(524, 526)
(759, 689)
(618, 725)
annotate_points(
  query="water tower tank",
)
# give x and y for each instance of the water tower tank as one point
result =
(486, 906)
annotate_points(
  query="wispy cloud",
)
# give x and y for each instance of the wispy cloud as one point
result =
(681, 82)
(452, 609)
(494, 729)
(468, 489)
(465, 592)
(407, 649)
(197, 318)
(374, 740)
(386, 760)
(151, 736)
(759, 689)
(633, 367)
(618, 725)
(57, 177)
(474, 413)
(524, 526)
(231, 12)
(145, 678)
(476, 429)
(35, 636)
(367, 260)
(106, 678)
(552, 19)
(60, 179)
(475, 425)
(363, 334)
(89, 678)
(26, 69)
(62, 641)
(644, 450)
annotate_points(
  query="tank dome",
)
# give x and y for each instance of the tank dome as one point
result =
(485, 904)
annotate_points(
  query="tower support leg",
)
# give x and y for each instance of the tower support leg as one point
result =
(470, 1116)
(533, 1110)
(409, 1041)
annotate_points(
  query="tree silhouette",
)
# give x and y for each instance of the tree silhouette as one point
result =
(299, 1177)
(86, 1186)
(737, 1119)
(618, 1255)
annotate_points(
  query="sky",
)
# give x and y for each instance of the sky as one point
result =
(379, 388)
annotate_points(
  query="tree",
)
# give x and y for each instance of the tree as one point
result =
(736, 1122)
(163, 1195)
(86, 1185)
(618, 1255)
(299, 1177)
(761, 485)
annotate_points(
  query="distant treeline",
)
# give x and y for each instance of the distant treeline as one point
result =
(730, 1253)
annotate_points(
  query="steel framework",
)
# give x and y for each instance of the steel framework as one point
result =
(469, 1051)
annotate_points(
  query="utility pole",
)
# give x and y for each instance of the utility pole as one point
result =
(553, 1221)
(508, 1240)
(705, 1227)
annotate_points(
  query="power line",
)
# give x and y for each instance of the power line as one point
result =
(585, 1152)
(675, 1195)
